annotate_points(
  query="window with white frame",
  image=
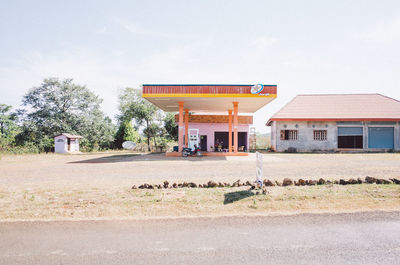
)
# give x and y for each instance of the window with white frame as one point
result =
(320, 135)
(289, 135)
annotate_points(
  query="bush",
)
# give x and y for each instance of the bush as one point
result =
(29, 148)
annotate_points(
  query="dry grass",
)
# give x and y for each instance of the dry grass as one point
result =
(94, 203)
(95, 186)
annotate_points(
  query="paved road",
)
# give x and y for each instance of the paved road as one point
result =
(363, 238)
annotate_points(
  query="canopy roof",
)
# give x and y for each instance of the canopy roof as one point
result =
(339, 107)
(209, 97)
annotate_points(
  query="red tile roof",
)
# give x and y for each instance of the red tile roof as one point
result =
(71, 136)
(340, 107)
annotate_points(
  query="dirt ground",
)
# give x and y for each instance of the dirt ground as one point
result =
(124, 169)
(93, 186)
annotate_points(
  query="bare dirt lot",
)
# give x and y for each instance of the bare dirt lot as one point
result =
(124, 169)
(90, 186)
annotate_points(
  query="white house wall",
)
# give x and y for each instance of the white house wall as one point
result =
(305, 136)
(60, 147)
(306, 143)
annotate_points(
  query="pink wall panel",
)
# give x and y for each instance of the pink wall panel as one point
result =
(209, 129)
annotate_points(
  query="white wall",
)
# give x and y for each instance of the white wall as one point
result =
(306, 143)
(62, 147)
(60, 144)
(305, 139)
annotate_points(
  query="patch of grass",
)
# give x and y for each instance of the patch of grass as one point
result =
(59, 204)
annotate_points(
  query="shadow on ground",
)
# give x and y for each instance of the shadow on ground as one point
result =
(142, 157)
(231, 197)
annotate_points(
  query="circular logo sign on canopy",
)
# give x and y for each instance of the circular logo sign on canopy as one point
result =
(256, 89)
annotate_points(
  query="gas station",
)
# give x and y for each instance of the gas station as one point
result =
(216, 118)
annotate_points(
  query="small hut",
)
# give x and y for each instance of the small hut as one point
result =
(66, 143)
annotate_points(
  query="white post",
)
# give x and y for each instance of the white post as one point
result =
(259, 164)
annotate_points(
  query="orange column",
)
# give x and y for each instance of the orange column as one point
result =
(235, 125)
(230, 130)
(180, 128)
(186, 127)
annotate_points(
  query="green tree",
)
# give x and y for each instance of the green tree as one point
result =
(133, 106)
(126, 132)
(7, 121)
(58, 106)
(8, 127)
(170, 126)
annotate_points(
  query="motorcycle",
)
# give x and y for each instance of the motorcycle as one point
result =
(189, 152)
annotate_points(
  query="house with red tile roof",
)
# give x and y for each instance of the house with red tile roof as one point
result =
(332, 122)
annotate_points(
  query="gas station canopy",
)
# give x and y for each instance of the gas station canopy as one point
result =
(209, 98)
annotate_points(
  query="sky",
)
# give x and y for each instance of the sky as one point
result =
(304, 47)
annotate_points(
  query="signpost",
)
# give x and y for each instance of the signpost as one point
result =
(259, 163)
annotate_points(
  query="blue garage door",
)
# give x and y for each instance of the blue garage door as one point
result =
(380, 137)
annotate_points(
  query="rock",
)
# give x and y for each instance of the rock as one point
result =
(175, 185)
(278, 183)
(166, 184)
(236, 183)
(192, 185)
(312, 182)
(359, 181)
(321, 181)
(395, 181)
(342, 182)
(352, 181)
(301, 182)
(211, 184)
(287, 182)
(383, 181)
(268, 183)
(370, 179)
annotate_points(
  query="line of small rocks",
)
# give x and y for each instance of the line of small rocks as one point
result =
(267, 183)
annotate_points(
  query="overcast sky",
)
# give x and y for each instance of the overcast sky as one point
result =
(301, 46)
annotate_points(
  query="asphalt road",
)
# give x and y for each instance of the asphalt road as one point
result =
(362, 238)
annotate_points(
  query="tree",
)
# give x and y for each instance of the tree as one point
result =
(58, 106)
(7, 121)
(145, 114)
(8, 127)
(126, 132)
(170, 126)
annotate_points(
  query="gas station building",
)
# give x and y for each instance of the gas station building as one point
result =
(216, 118)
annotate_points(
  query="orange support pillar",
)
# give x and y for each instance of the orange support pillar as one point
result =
(186, 127)
(230, 130)
(180, 128)
(235, 125)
